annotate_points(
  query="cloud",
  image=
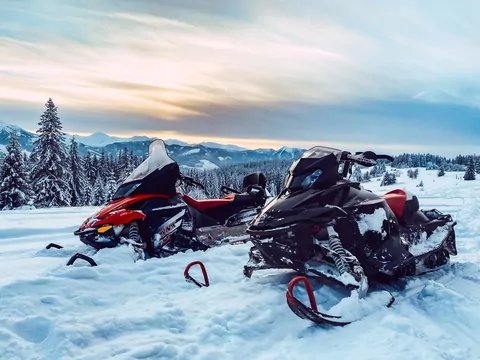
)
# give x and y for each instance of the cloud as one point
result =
(249, 68)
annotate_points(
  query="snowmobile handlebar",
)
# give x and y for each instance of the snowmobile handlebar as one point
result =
(366, 158)
(191, 181)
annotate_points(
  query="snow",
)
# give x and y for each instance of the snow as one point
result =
(228, 147)
(208, 165)
(202, 164)
(145, 310)
(372, 222)
(100, 139)
(192, 151)
(8, 127)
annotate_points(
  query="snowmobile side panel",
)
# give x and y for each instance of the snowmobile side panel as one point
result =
(124, 203)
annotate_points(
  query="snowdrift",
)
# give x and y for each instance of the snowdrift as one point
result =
(146, 310)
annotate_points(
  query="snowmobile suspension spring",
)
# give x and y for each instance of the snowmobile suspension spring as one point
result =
(337, 247)
(134, 232)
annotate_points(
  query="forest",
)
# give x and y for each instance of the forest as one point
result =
(55, 175)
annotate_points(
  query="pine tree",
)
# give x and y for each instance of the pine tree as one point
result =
(441, 172)
(98, 192)
(90, 164)
(88, 195)
(77, 175)
(357, 174)
(366, 176)
(111, 185)
(15, 190)
(49, 174)
(388, 179)
(470, 171)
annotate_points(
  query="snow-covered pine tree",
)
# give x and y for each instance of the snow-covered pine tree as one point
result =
(366, 176)
(357, 174)
(49, 175)
(441, 172)
(98, 192)
(122, 164)
(102, 166)
(470, 171)
(111, 185)
(15, 190)
(389, 178)
(88, 195)
(77, 175)
(90, 164)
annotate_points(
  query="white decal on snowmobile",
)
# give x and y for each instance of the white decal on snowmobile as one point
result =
(171, 225)
(169, 207)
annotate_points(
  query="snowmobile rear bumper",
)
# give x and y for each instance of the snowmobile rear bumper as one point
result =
(93, 238)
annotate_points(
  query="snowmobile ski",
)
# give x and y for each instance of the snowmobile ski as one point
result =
(189, 278)
(77, 256)
(311, 312)
(53, 245)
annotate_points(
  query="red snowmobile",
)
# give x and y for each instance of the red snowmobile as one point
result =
(149, 213)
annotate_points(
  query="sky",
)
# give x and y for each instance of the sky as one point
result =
(389, 76)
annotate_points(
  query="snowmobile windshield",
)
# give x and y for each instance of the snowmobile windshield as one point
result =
(316, 166)
(157, 158)
(156, 175)
(318, 152)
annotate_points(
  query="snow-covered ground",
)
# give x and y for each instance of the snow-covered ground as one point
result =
(146, 310)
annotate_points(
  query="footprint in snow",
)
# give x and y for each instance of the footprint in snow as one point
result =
(34, 329)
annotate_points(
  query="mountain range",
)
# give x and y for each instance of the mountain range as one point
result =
(204, 155)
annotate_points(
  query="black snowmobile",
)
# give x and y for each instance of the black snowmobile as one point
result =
(149, 213)
(332, 229)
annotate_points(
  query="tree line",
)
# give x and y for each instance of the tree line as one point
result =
(56, 175)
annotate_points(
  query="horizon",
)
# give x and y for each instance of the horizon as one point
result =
(450, 155)
(256, 75)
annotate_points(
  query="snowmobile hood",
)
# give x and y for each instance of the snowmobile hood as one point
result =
(120, 204)
(288, 208)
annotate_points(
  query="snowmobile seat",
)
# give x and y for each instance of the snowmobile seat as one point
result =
(203, 205)
(396, 201)
(411, 213)
(405, 206)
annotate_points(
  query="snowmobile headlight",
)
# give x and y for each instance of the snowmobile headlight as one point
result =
(104, 228)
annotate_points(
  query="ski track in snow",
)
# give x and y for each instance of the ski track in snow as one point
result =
(146, 310)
